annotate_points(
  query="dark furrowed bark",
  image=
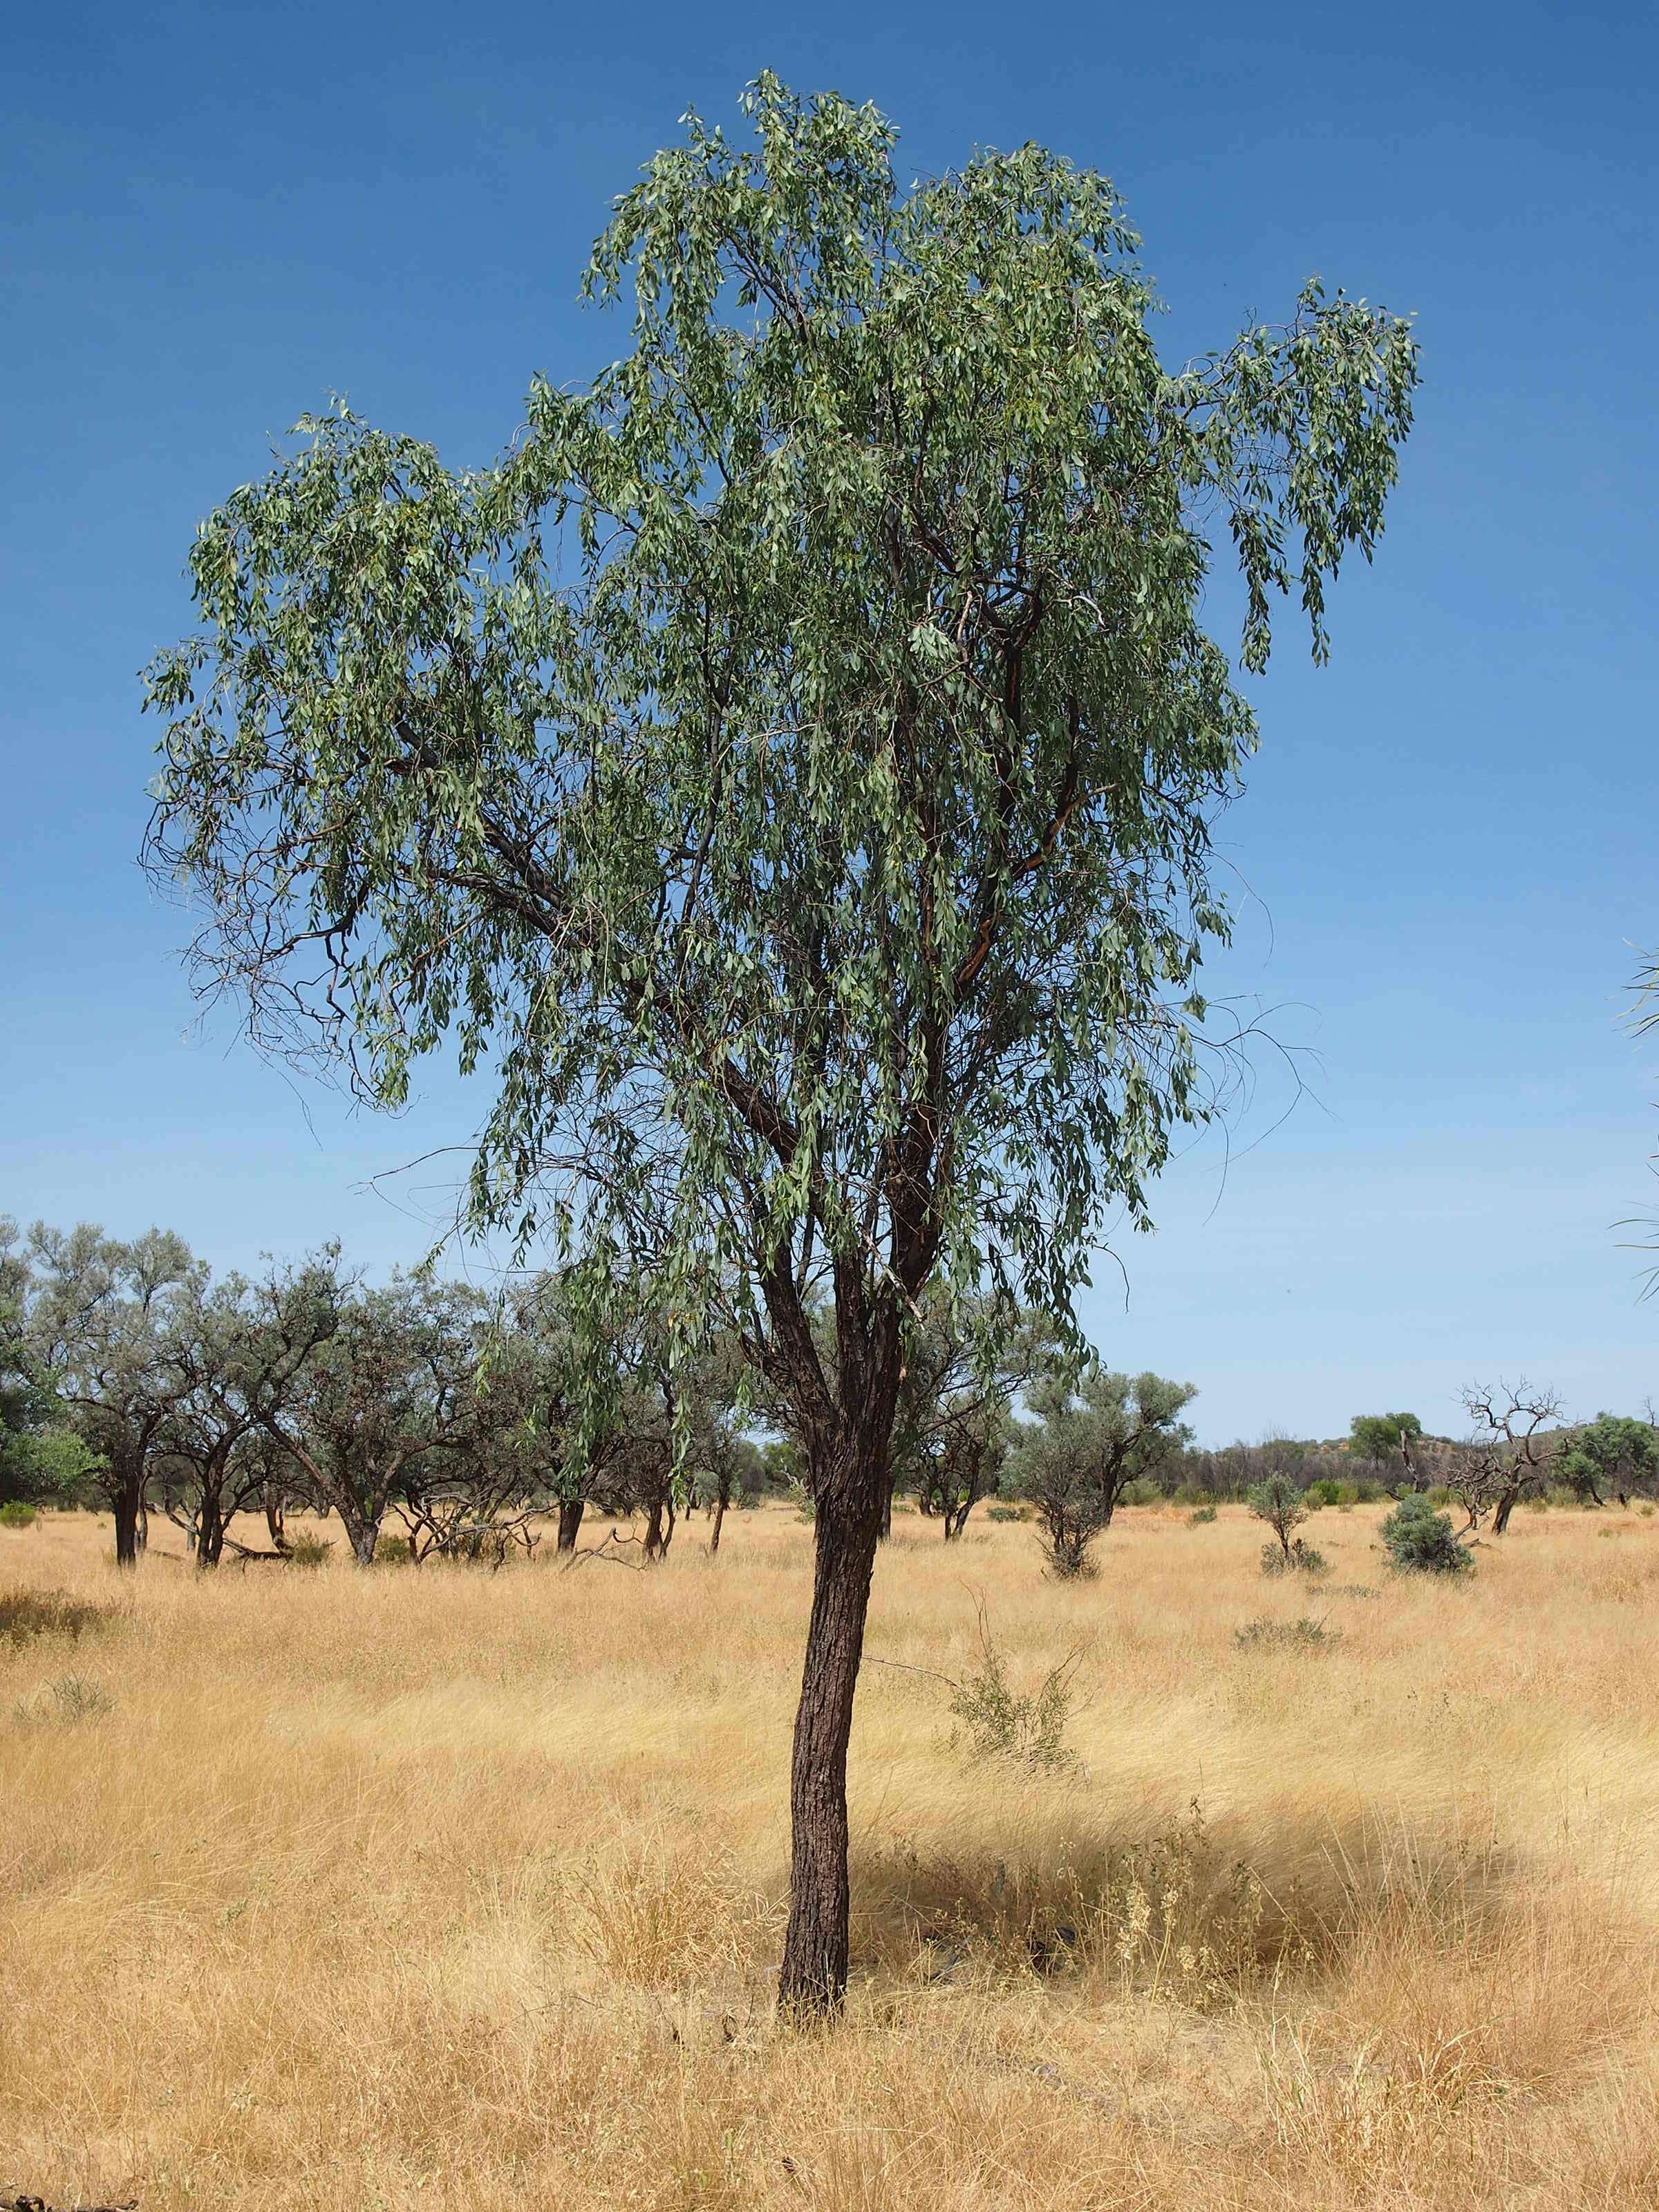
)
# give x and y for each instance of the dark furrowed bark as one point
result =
(846, 1529)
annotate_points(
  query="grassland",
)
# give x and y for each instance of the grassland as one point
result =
(446, 1889)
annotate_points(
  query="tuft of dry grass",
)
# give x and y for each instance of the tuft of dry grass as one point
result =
(452, 1891)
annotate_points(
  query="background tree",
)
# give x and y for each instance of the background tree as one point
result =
(390, 1382)
(1614, 1453)
(952, 1432)
(1092, 1438)
(41, 1458)
(820, 849)
(235, 1370)
(101, 1325)
(531, 1405)
(1390, 1439)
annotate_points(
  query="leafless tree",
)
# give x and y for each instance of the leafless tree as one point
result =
(1508, 1455)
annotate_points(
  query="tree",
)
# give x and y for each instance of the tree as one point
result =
(1388, 1437)
(101, 1322)
(1091, 1439)
(529, 1410)
(1614, 1452)
(40, 1455)
(819, 845)
(390, 1381)
(234, 1371)
(1282, 1502)
(952, 1431)
(1509, 1452)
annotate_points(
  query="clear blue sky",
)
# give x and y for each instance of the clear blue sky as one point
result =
(215, 216)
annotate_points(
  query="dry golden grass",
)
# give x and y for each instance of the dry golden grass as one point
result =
(452, 1890)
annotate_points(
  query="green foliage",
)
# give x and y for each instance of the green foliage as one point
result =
(14, 1514)
(1095, 1435)
(1027, 1727)
(1384, 1437)
(1280, 1501)
(1611, 1456)
(719, 913)
(1201, 1515)
(306, 1550)
(1420, 1540)
(1295, 1557)
(1005, 1513)
(1324, 1489)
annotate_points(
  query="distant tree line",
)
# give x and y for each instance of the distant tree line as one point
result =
(467, 1422)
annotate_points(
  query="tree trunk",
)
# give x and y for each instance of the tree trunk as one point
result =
(209, 1531)
(660, 1528)
(846, 1530)
(274, 1517)
(570, 1521)
(1500, 1519)
(363, 1534)
(129, 1503)
(720, 1518)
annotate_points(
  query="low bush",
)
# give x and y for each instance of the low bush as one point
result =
(1420, 1540)
(313, 1550)
(1002, 1722)
(72, 1698)
(1300, 1558)
(1140, 1493)
(27, 1614)
(15, 1514)
(1200, 1516)
(1301, 1635)
(1005, 1513)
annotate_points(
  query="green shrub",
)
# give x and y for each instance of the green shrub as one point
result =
(1646, 1512)
(1200, 1515)
(312, 1550)
(1535, 1502)
(1420, 1540)
(1001, 1722)
(1005, 1513)
(1325, 1490)
(1438, 1494)
(15, 1514)
(1299, 1559)
(1140, 1493)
